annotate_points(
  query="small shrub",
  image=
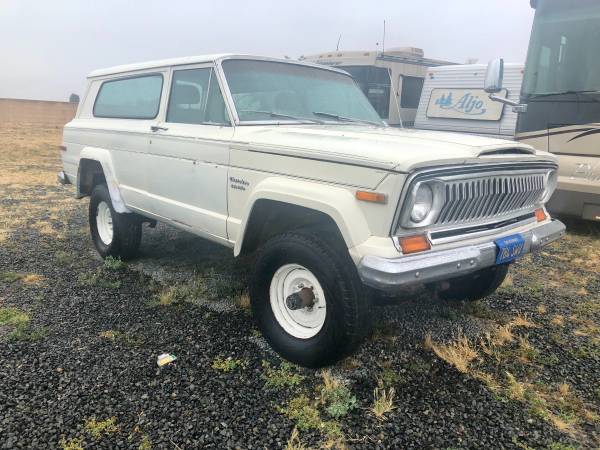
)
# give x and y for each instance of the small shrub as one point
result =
(71, 444)
(96, 279)
(301, 411)
(63, 258)
(10, 277)
(243, 300)
(99, 428)
(28, 334)
(283, 376)
(114, 264)
(383, 402)
(145, 444)
(294, 442)
(226, 364)
(336, 396)
(13, 317)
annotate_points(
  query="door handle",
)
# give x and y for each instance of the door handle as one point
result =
(157, 128)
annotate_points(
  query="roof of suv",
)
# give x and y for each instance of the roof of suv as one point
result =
(192, 60)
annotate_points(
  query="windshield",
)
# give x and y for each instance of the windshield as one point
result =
(275, 92)
(564, 54)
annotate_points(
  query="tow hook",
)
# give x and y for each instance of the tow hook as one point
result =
(305, 297)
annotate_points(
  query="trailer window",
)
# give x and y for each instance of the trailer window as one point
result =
(375, 83)
(130, 98)
(411, 91)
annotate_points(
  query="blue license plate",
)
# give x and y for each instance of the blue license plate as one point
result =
(509, 248)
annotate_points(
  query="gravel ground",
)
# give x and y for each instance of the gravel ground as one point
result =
(78, 366)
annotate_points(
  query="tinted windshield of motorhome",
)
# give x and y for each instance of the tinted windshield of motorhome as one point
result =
(564, 54)
(273, 91)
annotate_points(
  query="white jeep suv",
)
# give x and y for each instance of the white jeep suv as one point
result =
(290, 160)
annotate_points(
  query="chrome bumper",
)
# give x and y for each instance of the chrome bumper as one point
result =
(392, 273)
(63, 178)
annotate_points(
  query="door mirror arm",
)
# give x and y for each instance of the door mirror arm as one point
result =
(493, 84)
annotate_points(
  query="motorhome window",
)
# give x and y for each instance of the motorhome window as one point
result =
(276, 92)
(564, 55)
(130, 98)
(411, 91)
(375, 83)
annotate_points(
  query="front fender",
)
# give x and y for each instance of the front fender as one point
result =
(336, 202)
(103, 157)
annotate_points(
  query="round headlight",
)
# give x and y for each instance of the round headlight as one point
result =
(423, 203)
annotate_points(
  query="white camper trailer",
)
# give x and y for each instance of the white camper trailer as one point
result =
(453, 99)
(391, 80)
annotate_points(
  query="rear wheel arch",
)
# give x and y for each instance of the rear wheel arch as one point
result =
(95, 169)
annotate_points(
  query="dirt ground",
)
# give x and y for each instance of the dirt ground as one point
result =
(79, 341)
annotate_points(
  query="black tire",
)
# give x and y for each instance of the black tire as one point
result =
(127, 228)
(348, 313)
(472, 287)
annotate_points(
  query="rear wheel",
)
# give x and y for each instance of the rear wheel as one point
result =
(114, 234)
(308, 300)
(473, 286)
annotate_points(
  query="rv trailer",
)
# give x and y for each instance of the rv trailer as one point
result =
(391, 80)
(453, 99)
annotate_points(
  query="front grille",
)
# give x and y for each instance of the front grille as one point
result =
(490, 196)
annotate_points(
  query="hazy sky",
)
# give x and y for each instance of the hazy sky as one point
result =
(48, 47)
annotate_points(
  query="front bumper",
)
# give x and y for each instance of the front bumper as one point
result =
(389, 274)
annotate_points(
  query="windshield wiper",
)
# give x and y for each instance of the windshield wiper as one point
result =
(282, 116)
(343, 118)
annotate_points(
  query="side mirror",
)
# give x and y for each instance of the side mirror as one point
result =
(494, 76)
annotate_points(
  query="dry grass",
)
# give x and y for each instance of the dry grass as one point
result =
(243, 300)
(558, 320)
(459, 353)
(294, 442)
(29, 162)
(383, 402)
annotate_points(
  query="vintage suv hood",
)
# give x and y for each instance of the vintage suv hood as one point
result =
(385, 148)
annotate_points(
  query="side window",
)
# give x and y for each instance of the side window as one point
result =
(129, 98)
(196, 98)
(411, 91)
(188, 96)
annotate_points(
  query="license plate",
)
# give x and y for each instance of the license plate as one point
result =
(509, 248)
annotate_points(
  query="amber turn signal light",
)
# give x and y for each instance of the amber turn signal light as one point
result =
(540, 214)
(414, 244)
(373, 197)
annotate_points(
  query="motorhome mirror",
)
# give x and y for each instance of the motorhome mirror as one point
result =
(493, 76)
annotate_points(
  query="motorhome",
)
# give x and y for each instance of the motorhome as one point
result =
(453, 99)
(559, 108)
(392, 79)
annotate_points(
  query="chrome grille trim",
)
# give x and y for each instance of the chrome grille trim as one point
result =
(489, 196)
(476, 194)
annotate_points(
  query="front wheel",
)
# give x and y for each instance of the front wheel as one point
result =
(114, 234)
(308, 300)
(473, 286)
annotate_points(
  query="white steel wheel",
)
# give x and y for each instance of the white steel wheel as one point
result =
(104, 223)
(303, 322)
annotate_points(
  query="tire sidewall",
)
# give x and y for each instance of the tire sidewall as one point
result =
(316, 350)
(101, 194)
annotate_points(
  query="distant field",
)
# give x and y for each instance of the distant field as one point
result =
(79, 340)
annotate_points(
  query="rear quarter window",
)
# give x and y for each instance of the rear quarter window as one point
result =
(130, 98)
